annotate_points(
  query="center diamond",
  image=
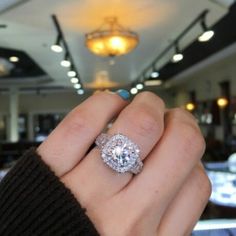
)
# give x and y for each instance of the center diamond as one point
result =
(120, 153)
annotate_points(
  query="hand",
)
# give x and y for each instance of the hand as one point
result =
(170, 193)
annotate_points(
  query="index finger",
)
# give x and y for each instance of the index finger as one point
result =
(70, 141)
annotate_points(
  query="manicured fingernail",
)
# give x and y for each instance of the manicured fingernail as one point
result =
(123, 94)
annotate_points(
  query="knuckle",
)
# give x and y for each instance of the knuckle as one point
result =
(193, 141)
(147, 96)
(204, 183)
(79, 122)
(179, 113)
(146, 123)
(102, 95)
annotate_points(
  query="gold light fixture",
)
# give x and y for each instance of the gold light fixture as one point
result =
(222, 102)
(190, 106)
(111, 39)
(102, 81)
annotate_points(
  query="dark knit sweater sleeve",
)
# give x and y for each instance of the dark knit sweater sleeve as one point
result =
(34, 202)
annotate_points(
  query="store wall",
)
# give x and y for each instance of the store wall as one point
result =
(206, 81)
(3, 104)
(51, 102)
(58, 101)
(206, 85)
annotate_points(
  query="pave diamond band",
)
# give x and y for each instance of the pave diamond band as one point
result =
(119, 153)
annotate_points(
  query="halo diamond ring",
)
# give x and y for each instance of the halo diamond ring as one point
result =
(119, 153)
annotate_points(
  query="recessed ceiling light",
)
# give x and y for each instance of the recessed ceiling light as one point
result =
(14, 59)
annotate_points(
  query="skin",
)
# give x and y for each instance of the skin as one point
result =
(166, 198)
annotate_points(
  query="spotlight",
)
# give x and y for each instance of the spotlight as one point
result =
(14, 59)
(207, 33)
(178, 56)
(56, 47)
(155, 74)
(77, 86)
(71, 73)
(139, 86)
(133, 90)
(80, 91)
(74, 80)
(66, 62)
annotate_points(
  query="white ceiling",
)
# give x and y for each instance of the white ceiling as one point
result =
(157, 22)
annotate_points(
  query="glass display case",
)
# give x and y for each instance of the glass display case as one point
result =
(222, 212)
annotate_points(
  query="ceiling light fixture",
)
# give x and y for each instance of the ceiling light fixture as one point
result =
(190, 106)
(56, 47)
(71, 73)
(80, 91)
(222, 102)
(155, 74)
(111, 39)
(139, 86)
(207, 33)
(133, 91)
(74, 80)
(66, 62)
(14, 59)
(77, 86)
(178, 56)
(61, 45)
(153, 82)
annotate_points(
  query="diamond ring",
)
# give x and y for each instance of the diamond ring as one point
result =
(119, 153)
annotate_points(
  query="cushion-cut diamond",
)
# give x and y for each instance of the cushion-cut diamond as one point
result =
(120, 153)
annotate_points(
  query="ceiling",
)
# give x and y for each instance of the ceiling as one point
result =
(30, 29)
(197, 52)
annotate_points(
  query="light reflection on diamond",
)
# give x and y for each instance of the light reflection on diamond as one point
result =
(120, 153)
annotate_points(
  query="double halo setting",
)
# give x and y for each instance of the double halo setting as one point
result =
(119, 153)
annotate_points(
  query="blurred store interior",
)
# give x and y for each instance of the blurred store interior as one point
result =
(55, 53)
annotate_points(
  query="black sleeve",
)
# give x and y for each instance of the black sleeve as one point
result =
(34, 202)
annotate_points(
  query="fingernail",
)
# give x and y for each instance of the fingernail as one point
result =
(123, 94)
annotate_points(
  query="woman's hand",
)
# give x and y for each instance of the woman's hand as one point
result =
(170, 193)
